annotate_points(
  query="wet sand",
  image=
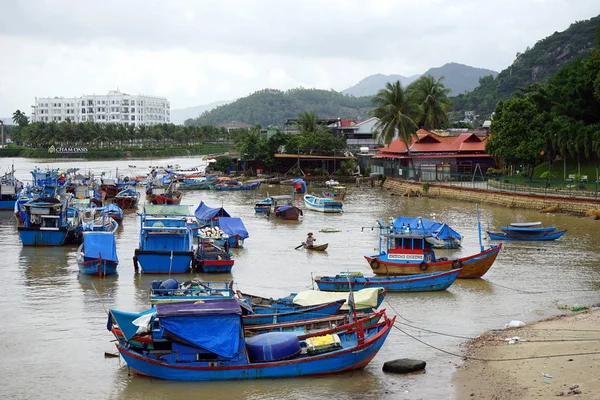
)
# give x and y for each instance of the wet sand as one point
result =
(572, 375)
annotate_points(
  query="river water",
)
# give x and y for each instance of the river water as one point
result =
(53, 320)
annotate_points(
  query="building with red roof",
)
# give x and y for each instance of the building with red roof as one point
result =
(432, 157)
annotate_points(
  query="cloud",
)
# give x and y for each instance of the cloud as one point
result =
(199, 52)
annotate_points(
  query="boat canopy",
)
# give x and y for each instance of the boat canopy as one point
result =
(364, 298)
(102, 245)
(419, 225)
(111, 207)
(206, 213)
(167, 209)
(127, 321)
(233, 226)
(213, 325)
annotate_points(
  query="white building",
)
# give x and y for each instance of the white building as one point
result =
(115, 107)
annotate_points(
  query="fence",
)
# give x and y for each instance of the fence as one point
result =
(515, 183)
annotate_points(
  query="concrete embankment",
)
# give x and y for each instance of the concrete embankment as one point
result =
(570, 205)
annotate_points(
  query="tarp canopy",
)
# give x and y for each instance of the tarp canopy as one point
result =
(166, 209)
(233, 226)
(424, 226)
(111, 207)
(213, 325)
(100, 245)
(364, 298)
(206, 213)
(125, 321)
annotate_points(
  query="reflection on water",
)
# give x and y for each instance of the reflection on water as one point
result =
(45, 300)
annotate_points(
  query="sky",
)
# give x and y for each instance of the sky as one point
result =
(196, 52)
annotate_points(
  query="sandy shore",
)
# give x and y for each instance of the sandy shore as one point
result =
(573, 375)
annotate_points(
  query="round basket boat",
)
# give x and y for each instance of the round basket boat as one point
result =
(272, 346)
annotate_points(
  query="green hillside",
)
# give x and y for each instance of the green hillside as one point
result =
(535, 65)
(273, 107)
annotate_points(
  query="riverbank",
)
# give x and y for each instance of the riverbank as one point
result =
(570, 205)
(116, 153)
(574, 374)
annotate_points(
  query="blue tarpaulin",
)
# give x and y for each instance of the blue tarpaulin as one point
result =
(125, 321)
(212, 325)
(100, 245)
(439, 230)
(205, 213)
(233, 226)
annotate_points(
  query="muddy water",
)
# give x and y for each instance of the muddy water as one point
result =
(53, 322)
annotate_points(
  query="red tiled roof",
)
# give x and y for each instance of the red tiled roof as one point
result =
(346, 122)
(428, 142)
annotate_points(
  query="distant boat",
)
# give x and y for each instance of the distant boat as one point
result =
(335, 192)
(320, 247)
(127, 198)
(322, 204)
(281, 207)
(170, 197)
(97, 255)
(113, 211)
(527, 231)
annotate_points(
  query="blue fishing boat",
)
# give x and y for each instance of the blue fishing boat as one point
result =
(262, 315)
(209, 216)
(113, 211)
(97, 255)
(212, 258)
(9, 190)
(205, 341)
(264, 205)
(235, 232)
(166, 242)
(170, 291)
(322, 204)
(45, 222)
(408, 283)
(527, 231)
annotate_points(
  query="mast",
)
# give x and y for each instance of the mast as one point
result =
(479, 227)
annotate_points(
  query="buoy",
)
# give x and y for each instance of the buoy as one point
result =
(403, 365)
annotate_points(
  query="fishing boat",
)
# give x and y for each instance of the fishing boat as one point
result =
(205, 341)
(9, 190)
(264, 205)
(97, 255)
(166, 242)
(320, 247)
(445, 236)
(235, 232)
(407, 253)
(322, 204)
(127, 198)
(170, 291)
(169, 197)
(113, 211)
(209, 216)
(45, 222)
(528, 231)
(211, 258)
(407, 283)
(283, 207)
(365, 300)
(335, 192)
(331, 183)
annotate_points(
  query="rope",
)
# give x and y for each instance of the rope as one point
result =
(495, 359)
(540, 292)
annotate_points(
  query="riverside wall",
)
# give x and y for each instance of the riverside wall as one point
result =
(570, 205)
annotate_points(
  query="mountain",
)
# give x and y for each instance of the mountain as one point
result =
(371, 84)
(179, 116)
(535, 65)
(273, 107)
(459, 78)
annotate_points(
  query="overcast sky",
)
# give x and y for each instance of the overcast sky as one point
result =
(200, 51)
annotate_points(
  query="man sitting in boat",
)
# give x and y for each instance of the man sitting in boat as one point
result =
(310, 240)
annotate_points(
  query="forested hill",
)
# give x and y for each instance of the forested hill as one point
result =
(535, 65)
(273, 107)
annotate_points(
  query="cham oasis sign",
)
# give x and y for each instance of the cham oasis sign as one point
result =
(67, 150)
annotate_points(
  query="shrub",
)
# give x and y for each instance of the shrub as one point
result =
(425, 187)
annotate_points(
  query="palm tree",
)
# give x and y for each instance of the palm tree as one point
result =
(432, 97)
(307, 121)
(20, 118)
(396, 113)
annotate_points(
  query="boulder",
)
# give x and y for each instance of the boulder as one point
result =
(403, 365)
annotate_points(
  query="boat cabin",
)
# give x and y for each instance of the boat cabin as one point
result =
(165, 228)
(409, 248)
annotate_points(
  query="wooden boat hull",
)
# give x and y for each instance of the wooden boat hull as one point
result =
(288, 213)
(321, 247)
(542, 236)
(317, 204)
(97, 267)
(409, 283)
(166, 199)
(215, 266)
(275, 315)
(355, 356)
(36, 236)
(163, 262)
(7, 204)
(126, 202)
(474, 266)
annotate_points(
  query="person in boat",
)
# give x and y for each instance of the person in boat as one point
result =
(310, 240)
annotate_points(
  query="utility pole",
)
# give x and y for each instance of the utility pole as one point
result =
(2, 132)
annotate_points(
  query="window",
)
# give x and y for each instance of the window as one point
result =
(83, 110)
(133, 117)
(133, 110)
(133, 102)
